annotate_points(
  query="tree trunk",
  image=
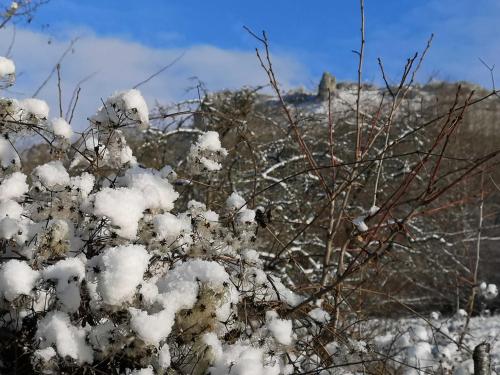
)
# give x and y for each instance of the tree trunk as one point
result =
(481, 359)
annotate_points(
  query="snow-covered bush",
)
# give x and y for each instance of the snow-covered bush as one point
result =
(106, 265)
(102, 270)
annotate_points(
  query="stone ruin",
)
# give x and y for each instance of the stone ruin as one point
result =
(326, 85)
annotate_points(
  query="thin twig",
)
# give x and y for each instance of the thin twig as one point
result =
(64, 54)
(59, 93)
(161, 70)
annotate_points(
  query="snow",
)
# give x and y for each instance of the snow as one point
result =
(177, 290)
(52, 175)
(212, 341)
(7, 67)
(46, 354)
(164, 357)
(359, 223)
(10, 208)
(170, 227)
(237, 204)
(101, 335)
(206, 153)
(209, 141)
(489, 291)
(465, 368)
(413, 342)
(210, 165)
(281, 329)
(210, 216)
(149, 292)
(143, 371)
(32, 108)
(435, 315)
(11, 228)
(235, 201)
(123, 206)
(419, 333)
(168, 173)
(152, 328)
(61, 128)
(83, 184)
(251, 256)
(13, 187)
(211, 273)
(373, 210)
(157, 191)
(319, 315)
(68, 273)
(8, 155)
(241, 359)
(121, 271)
(285, 294)
(125, 156)
(132, 101)
(245, 216)
(123, 108)
(17, 278)
(56, 329)
(419, 354)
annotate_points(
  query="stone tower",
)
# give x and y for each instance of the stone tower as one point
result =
(327, 84)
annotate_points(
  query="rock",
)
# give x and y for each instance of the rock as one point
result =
(326, 85)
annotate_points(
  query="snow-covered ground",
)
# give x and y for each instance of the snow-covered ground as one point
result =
(436, 345)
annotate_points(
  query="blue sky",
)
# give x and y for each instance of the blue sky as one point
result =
(123, 41)
(319, 34)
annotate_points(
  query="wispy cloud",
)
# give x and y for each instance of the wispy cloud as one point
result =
(120, 64)
(464, 32)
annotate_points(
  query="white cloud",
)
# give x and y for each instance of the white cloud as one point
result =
(120, 64)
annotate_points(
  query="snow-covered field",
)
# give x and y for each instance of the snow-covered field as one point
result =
(434, 344)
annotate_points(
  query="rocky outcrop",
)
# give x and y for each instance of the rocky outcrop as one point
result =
(327, 86)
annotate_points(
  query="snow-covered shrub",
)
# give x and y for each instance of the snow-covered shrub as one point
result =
(101, 268)
(206, 153)
(7, 71)
(107, 267)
